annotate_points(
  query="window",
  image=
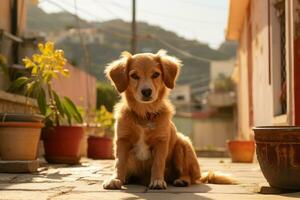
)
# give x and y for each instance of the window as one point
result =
(278, 56)
(180, 97)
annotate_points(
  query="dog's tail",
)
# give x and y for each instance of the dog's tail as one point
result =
(217, 178)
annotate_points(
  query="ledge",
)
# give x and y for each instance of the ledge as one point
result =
(280, 120)
(14, 103)
(221, 99)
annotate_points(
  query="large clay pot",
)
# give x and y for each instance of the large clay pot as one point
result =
(100, 147)
(278, 154)
(241, 150)
(19, 140)
(62, 144)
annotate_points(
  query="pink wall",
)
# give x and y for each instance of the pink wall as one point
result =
(79, 86)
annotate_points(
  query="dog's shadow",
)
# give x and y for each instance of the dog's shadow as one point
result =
(187, 193)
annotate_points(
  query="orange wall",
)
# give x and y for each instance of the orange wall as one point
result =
(79, 86)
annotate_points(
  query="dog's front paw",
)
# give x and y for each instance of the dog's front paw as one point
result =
(113, 184)
(180, 183)
(158, 184)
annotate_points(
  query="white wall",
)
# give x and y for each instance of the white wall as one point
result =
(221, 67)
(262, 90)
(183, 91)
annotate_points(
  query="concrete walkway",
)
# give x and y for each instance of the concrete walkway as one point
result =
(84, 182)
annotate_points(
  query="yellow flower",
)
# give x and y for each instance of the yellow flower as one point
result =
(49, 62)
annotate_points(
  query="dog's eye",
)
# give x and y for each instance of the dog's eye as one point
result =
(155, 75)
(135, 76)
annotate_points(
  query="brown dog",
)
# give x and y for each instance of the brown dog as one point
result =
(148, 149)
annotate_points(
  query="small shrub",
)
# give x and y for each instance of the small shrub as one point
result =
(106, 96)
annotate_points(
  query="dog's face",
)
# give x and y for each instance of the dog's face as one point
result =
(144, 75)
(145, 78)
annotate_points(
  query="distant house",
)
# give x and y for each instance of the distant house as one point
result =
(89, 35)
(268, 61)
(224, 67)
(181, 94)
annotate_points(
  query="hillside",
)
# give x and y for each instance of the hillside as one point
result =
(106, 40)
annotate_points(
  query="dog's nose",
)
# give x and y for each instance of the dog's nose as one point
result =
(146, 92)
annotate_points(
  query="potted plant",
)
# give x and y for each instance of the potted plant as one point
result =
(19, 132)
(241, 149)
(100, 145)
(19, 140)
(61, 138)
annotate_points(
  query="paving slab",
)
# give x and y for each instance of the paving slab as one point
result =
(172, 196)
(84, 182)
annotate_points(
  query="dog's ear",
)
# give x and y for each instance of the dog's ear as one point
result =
(170, 68)
(117, 71)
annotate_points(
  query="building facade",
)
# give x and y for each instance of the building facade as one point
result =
(267, 62)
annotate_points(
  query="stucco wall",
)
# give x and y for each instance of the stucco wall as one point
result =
(208, 132)
(262, 90)
(262, 86)
(80, 87)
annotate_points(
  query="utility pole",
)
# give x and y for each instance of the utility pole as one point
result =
(133, 29)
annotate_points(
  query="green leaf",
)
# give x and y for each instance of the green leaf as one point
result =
(18, 83)
(73, 110)
(30, 87)
(67, 111)
(41, 99)
(58, 104)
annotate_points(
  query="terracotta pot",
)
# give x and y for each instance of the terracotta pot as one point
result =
(19, 140)
(62, 144)
(21, 117)
(89, 131)
(100, 147)
(278, 154)
(241, 150)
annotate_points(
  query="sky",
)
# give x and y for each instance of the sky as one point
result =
(203, 20)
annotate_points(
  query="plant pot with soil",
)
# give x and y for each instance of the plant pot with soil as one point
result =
(19, 132)
(100, 144)
(61, 138)
(242, 149)
(19, 140)
(278, 154)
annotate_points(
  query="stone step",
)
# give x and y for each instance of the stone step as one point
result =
(19, 166)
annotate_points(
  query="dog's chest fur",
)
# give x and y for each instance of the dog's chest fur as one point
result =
(141, 148)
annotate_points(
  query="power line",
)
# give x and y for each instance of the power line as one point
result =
(182, 52)
(81, 10)
(87, 58)
(94, 16)
(107, 9)
(181, 1)
(201, 5)
(163, 15)
(157, 14)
